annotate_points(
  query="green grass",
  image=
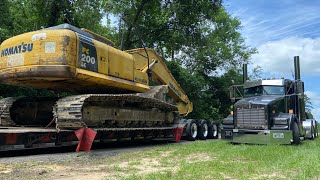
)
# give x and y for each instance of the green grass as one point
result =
(221, 160)
(197, 160)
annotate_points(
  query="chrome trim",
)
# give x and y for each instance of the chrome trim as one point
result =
(251, 118)
(264, 82)
(307, 126)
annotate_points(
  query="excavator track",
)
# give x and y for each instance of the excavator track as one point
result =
(69, 113)
(5, 106)
(26, 111)
(138, 110)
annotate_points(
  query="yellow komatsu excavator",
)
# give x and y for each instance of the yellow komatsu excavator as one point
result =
(112, 87)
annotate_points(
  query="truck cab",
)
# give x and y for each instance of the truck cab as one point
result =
(268, 111)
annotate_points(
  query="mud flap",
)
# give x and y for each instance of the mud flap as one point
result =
(177, 132)
(86, 137)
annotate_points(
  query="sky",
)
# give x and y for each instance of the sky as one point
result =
(280, 30)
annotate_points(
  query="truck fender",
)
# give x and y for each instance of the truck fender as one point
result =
(307, 125)
(292, 119)
(227, 122)
(283, 121)
(302, 130)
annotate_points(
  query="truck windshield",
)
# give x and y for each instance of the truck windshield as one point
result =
(264, 90)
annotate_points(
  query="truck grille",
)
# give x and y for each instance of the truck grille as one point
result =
(253, 118)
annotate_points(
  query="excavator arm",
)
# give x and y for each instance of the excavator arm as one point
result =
(161, 74)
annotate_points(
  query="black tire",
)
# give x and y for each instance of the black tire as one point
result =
(203, 130)
(312, 132)
(295, 134)
(192, 130)
(213, 131)
(316, 130)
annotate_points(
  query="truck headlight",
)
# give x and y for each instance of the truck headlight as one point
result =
(280, 121)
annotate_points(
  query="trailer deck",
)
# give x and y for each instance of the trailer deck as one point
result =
(17, 138)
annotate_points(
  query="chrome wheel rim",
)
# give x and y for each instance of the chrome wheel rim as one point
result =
(215, 130)
(194, 130)
(312, 133)
(205, 129)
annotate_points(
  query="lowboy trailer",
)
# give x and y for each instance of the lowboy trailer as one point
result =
(19, 138)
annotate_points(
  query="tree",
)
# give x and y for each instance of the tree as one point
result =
(200, 35)
(20, 16)
(6, 21)
(308, 104)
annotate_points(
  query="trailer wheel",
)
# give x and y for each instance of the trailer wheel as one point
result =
(192, 130)
(295, 134)
(203, 130)
(213, 131)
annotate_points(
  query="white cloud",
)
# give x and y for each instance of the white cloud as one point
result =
(316, 114)
(314, 96)
(277, 56)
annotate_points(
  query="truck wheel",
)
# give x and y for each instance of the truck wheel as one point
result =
(312, 133)
(315, 130)
(203, 130)
(212, 131)
(295, 134)
(192, 130)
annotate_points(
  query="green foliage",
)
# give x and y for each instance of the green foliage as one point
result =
(200, 35)
(219, 87)
(308, 106)
(194, 87)
(209, 95)
(20, 16)
(5, 21)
